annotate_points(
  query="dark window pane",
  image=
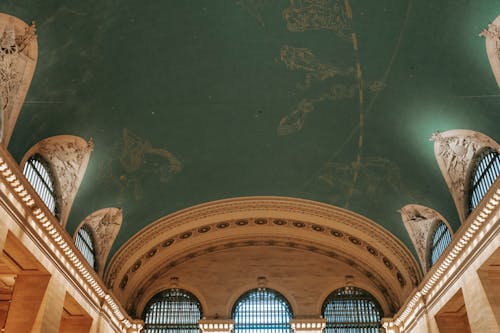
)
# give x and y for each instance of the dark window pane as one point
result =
(485, 173)
(351, 309)
(441, 238)
(172, 311)
(85, 244)
(262, 311)
(37, 172)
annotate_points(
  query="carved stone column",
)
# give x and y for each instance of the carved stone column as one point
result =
(308, 325)
(216, 325)
(479, 310)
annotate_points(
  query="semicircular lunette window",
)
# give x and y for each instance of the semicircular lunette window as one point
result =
(262, 311)
(172, 311)
(485, 173)
(37, 172)
(85, 244)
(352, 309)
(441, 238)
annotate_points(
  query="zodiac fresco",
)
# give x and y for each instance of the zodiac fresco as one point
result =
(303, 59)
(303, 15)
(294, 121)
(138, 159)
(255, 8)
(376, 175)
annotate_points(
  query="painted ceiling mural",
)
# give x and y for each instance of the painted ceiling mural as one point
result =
(193, 101)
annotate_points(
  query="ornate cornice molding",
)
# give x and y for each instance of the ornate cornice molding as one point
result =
(420, 221)
(455, 153)
(18, 57)
(46, 230)
(492, 40)
(68, 157)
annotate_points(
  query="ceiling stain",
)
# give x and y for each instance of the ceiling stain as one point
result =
(376, 173)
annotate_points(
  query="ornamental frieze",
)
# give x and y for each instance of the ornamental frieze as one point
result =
(18, 56)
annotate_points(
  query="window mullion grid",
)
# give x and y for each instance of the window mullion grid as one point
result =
(484, 176)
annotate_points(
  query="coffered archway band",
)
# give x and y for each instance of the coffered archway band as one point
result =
(265, 222)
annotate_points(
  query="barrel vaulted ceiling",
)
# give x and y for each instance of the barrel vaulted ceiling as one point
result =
(193, 101)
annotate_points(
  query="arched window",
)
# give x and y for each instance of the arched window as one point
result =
(351, 309)
(172, 311)
(262, 311)
(38, 173)
(85, 243)
(483, 176)
(441, 238)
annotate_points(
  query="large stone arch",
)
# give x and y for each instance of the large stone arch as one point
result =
(316, 230)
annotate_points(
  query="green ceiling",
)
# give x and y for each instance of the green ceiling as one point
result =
(192, 101)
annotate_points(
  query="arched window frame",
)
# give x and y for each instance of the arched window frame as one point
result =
(251, 324)
(359, 304)
(485, 171)
(39, 174)
(439, 240)
(153, 322)
(85, 243)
